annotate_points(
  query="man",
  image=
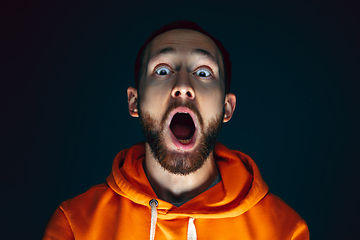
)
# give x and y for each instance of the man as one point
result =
(180, 183)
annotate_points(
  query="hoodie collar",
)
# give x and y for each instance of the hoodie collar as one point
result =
(240, 189)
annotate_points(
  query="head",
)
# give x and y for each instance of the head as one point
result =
(181, 97)
(182, 24)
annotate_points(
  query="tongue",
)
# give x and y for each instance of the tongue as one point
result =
(182, 132)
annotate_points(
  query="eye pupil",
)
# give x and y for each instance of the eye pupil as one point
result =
(202, 74)
(162, 72)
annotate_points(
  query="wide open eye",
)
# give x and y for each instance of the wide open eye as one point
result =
(203, 72)
(163, 70)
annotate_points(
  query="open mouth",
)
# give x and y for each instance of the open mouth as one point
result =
(182, 127)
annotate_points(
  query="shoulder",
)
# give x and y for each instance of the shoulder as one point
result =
(93, 196)
(273, 209)
(74, 216)
(277, 207)
(91, 207)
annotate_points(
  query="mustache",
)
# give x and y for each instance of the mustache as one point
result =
(186, 104)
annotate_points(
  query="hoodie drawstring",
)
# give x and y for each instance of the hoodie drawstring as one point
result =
(191, 234)
(153, 204)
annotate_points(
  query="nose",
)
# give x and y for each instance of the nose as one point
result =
(182, 88)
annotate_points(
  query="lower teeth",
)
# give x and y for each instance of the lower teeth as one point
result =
(184, 141)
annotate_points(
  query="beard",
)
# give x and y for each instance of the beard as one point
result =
(180, 163)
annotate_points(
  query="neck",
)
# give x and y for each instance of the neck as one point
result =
(178, 188)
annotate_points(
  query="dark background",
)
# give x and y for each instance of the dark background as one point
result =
(65, 68)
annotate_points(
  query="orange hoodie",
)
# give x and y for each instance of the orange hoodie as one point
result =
(238, 207)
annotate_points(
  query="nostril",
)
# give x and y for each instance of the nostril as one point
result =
(179, 93)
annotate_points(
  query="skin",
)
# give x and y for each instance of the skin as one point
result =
(185, 80)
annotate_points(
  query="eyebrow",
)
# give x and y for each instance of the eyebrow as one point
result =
(171, 50)
(205, 53)
(166, 50)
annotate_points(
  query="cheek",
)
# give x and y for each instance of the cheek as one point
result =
(211, 103)
(153, 100)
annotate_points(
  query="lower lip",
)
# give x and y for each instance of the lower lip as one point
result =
(183, 146)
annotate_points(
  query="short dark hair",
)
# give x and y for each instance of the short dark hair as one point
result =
(184, 24)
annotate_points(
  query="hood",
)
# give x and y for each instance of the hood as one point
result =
(240, 189)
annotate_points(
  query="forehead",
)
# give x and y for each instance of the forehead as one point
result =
(183, 40)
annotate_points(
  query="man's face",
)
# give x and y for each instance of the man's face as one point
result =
(181, 99)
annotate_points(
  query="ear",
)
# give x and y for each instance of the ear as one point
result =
(230, 103)
(132, 96)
